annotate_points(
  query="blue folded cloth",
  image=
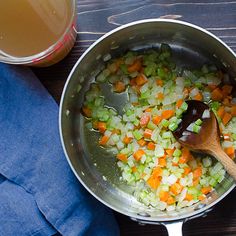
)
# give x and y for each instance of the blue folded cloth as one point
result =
(37, 172)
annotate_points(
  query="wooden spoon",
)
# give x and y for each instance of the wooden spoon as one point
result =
(208, 138)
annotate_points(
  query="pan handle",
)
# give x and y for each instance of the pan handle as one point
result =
(174, 228)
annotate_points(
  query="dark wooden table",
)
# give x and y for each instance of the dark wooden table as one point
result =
(96, 17)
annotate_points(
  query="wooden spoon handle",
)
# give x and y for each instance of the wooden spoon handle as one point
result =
(226, 161)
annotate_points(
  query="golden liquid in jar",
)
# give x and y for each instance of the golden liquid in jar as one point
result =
(29, 27)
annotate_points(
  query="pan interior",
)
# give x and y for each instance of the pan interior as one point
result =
(94, 166)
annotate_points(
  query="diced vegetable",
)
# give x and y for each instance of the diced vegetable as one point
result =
(163, 174)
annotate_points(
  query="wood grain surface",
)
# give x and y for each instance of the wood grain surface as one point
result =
(95, 18)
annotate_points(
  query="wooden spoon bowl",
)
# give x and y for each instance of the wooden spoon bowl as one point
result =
(208, 138)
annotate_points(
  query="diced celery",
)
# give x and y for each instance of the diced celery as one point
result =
(175, 159)
(187, 82)
(213, 182)
(178, 112)
(159, 151)
(151, 125)
(215, 105)
(165, 123)
(124, 68)
(129, 112)
(136, 122)
(184, 106)
(150, 69)
(207, 161)
(196, 128)
(137, 134)
(167, 135)
(173, 126)
(198, 122)
(177, 153)
(233, 136)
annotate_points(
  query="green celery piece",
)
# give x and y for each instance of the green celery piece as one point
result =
(196, 128)
(165, 123)
(215, 105)
(177, 153)
(198, 122)
(233, 136)
(173, 126)
(151, 125)
(124, 69)
(137, 134)
(184, 106)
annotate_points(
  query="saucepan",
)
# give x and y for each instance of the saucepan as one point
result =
(93, 166)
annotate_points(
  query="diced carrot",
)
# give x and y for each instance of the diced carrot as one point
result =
(176, 188)
(230, 151)
(179, 103)
(149, 109)
(138, 154)
(167, 114)
(188, 197)
(145, 118)
(175, 163)
(134, 169)
(147, 133)
(142, 142)
(183, 159)
(170, 151)
(221, 112)
(127, 140)
(151, 146)
(197, 172)
(186, 155)
(119, 86)
(198, 97)
(160, 96)
(101, 126)
(162, 162)
(206, 190)
(170, 200)
(196, 182)
(226, 118)
(141, 80)
(159, 82)
(156, 119)
(136, 66)
(122, 157)
(227, 89)
(217, 95)
(153, 182)
(163, 195)
(233, 110)
(211, 86)
(187, 170)
(201, 197)
(86, 111)
(103, 140)
(157, 172)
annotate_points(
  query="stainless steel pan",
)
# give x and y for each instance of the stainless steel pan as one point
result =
(96, 169)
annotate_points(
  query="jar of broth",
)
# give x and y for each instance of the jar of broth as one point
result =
(36, 32)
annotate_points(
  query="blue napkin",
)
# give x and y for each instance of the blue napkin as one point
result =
(36, 171)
